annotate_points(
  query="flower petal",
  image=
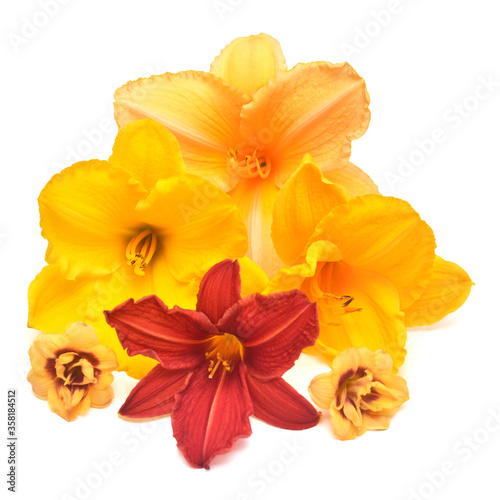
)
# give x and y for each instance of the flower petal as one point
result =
(255, 201)
(154, 395)
(40, 384)
(356, 181)
(277, 403)
(200, 109)
(80, 335)
(220, 289)
(177, 337)
(103, 357)
(378, 325)
(316, 108)
(87, 215)
(446, 291)
(322, 391)
(253, 277)
(273, 330)
(384, 235)
(343, 428)
(249, 62)
(209, 415)
(148, 151)
(197, 222)
(69, 414)
(101, 398)
(301, 203)
(43, 348)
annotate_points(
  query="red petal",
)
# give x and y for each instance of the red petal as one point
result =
(277, 403)
(154, 395)
(209, 415)
(177, 338)
(219, 290)
(273, 330)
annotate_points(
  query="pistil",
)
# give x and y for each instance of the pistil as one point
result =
(248, 165)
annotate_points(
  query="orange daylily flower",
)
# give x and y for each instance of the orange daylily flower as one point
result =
(72, 371)
(247, 124)
(360, 392)
(370, 256)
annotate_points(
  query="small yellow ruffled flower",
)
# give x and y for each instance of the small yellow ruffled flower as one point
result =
(72, 371)
(360, 392)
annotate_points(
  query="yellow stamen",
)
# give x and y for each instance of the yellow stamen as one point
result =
(227, 350)
(140, 250)
(248, 165)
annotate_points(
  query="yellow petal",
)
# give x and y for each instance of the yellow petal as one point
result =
(383, 235)
(197, 223)
(316, 108)
(249, 62)
(379, 324)
(55, 303)
(253, 278)
(343, 428)
(69, 414)
(255, 201)
(292, 277)
(44, 347)
(80, 335)
(40, 384)
(148, 151)
(322, 391)
(446, 291)
(200, 109)
(106, 358)
(301, 203)
(374, 421)
(100, 398)
(87, 214)
(356, 181)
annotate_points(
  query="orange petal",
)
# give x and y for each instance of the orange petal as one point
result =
(316, 108)
(356, 181)
(249, 62)
(200, 109)
(301, 203)
(255, 200)
(100, 398)
(384, 235)
(446, 291)
(40, 384)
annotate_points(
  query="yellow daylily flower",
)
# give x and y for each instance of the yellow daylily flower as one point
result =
(360, 392)
(247, 124)
(72, 371)
(370, 256)
(133, 226)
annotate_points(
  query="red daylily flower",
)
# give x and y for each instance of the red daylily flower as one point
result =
(218, 364)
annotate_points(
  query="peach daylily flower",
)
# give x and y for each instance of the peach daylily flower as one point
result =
(360, 392)
(247, 124)
(72, 371)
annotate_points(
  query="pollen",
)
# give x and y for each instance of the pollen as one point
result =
(249, 163)
(140, 250)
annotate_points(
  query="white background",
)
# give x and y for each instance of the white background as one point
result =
(428, 59)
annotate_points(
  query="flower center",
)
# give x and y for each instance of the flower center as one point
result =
(248, 163)
(140, 250)
(73, 369)
(225, 350)
(318, 288)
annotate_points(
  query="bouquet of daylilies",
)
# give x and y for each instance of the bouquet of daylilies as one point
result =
(226, 234)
